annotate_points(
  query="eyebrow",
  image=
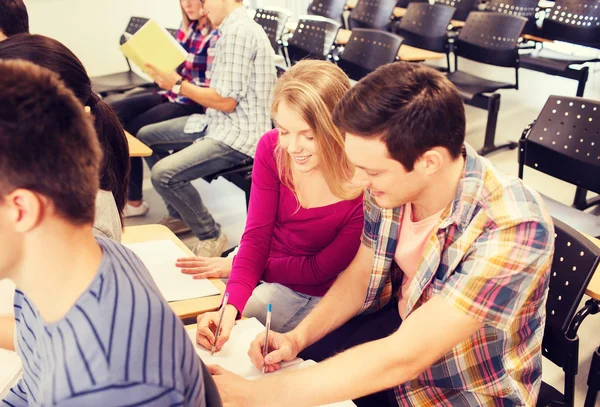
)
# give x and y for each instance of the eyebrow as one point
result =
(283, 128)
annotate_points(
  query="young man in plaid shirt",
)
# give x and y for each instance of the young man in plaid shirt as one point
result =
(451, 279)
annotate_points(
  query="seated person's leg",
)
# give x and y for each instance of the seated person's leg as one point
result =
(289, 307)
(172, 178)
(130, 107)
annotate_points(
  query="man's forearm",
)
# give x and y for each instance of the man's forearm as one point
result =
(207, 97)
(340, 304)
(7, 333)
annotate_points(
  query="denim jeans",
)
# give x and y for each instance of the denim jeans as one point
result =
(172, 173)
(289, 307)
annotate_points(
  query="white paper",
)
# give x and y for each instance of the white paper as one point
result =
(10, 371)
(7, 297)
(233, 356)
(160, 256)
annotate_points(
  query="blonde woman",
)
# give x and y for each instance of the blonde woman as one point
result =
(198, 37)
(305, 216)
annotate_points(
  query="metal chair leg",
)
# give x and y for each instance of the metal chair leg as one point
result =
(489, 145)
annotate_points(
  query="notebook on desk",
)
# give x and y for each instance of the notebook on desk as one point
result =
(159, 257)
(153, 44)
(10, 371)
(234, 354)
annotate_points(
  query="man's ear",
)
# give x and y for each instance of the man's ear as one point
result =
(431, 161)
(26, 209)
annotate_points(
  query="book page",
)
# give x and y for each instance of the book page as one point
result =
(10, 371)
(159, 257)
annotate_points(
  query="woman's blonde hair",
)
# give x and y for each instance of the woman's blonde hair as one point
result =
(312, 88)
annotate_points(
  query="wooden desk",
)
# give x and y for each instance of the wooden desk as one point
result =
(406, 52)
(593, 288)
(186, 308)
(137, 148)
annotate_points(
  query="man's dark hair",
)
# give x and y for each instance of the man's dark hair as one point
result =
(47, 141)
(412, 107)
(13, 17)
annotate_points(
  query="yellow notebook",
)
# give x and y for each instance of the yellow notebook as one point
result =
(152, 44)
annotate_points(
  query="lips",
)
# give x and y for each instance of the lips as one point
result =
(301, 159)
(375, 193)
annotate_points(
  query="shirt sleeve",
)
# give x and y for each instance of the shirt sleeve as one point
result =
(236, 56)
(17, 396)
(372, 217)
(255, 246)
(325, 265)
(129, 394)
(506, 269)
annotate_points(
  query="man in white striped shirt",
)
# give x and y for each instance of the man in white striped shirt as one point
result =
(91, 326)
(237, 115)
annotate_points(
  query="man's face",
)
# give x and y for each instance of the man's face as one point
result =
(387, 180)
(216, 11)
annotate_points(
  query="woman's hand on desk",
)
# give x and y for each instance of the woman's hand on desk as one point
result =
(282, 347)
(206, 267)
(207, 326)
(165, 80)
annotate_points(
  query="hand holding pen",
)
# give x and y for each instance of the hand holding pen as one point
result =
(210, 323)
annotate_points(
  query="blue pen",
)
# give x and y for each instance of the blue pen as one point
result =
(268, 324)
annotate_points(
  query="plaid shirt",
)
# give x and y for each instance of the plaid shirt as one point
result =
(244, 70)
(490, 258)
(198, 42)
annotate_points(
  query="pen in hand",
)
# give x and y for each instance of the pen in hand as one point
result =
(268, 327)
(218, 331)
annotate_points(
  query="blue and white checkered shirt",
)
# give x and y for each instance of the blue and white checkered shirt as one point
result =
(243, 69)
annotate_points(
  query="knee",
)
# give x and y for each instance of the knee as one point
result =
(145, 135)
(161, 174)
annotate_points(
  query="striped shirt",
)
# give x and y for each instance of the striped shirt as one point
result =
(119, 345)
(489, 257)
(244, 70)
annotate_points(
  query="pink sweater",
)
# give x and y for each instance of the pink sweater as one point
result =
(302, 249)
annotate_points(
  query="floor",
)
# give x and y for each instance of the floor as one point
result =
(518, 109)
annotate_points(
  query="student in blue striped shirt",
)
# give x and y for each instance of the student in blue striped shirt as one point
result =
(92, 327)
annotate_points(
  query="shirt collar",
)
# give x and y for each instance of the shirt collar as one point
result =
(234, 16)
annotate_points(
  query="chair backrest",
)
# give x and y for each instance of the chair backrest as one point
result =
(367, 50)
(490, 38)
(564, 142)
(426, 26)
(575, 260)
(574, 21)
(273, 22)
(327, 8)
(374, 14)
(522, 8)
(173, 32)
(463, 7)
(135, 23)
(313, 38)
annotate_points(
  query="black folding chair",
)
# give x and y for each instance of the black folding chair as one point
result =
(332, 9)
(313, 38)
(463, 7)
(426, 26)
(489, 38)
(375, 14)
(521, 8)
(575, 260)
(367, 50)
(239, 175)
(564, 142)
(122, 81)
(593, 381)
(273, 22)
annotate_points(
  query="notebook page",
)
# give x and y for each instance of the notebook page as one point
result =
(10, 371)
(159, 257)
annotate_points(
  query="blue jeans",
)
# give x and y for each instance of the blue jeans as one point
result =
(172, 173)
(289, 307)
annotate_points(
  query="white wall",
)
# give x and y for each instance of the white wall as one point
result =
(92, 28)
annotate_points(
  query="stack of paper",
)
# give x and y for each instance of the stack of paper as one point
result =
(152, 44)
(234, 354)
(160, 257)
(7, 297)
(10, 371)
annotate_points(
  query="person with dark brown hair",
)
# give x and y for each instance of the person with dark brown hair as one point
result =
(114, 168)
(444, 303)
(13, 18)
(92, 327)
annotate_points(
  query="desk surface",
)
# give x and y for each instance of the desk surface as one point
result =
(186, 308)
(406, 52)
(137, 148)
(593, 288)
